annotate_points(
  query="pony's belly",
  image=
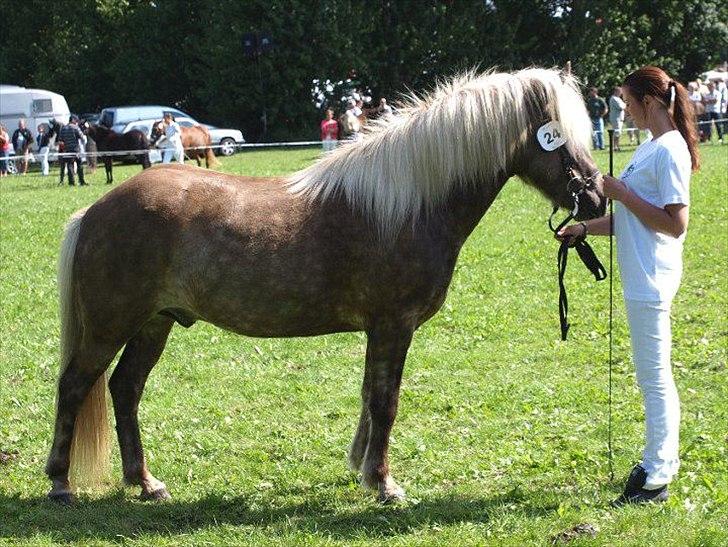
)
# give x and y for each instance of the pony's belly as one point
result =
(284, 321)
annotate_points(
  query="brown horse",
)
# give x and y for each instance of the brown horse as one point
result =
(196, 141)
(110, 141)
(366, 239)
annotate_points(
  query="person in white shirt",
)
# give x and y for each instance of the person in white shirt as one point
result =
(616, 115)
(712, 100)
(172, 140)
(650, 221)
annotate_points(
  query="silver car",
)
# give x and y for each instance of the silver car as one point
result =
(227, 140)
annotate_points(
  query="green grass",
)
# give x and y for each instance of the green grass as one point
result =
(502, 429)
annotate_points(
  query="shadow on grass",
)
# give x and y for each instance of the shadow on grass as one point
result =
(116, 516)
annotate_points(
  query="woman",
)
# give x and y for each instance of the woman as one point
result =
(172, 140)
(329, 131)
(42, 140)
(5, 147)
(650, 221)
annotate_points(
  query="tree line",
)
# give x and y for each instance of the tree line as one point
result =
(193, 55)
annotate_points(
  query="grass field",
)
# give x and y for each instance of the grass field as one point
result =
(502, 429)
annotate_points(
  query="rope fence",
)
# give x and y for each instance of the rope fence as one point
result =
(635, 129)
(53, 156)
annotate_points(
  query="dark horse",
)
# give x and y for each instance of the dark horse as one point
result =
(196, 141)
(110, 141)
(366, 239)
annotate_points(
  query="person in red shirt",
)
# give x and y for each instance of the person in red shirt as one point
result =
(329, 131)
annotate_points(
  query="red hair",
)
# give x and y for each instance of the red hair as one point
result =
(653, 81)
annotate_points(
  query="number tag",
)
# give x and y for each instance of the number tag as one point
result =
(550, 136)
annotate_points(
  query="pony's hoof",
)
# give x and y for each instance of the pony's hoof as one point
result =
(62, 498)
(391, 494)
(159, 494)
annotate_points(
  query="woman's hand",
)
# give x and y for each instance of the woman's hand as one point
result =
(572, 233)
(614, 188)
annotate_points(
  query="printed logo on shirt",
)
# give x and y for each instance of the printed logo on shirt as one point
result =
(628, 171)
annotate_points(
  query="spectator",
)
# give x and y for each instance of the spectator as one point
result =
(711, 100)
(616, 115)
(22, 141)
(329, 131)
(72, 138)
(723, 90)
(385, 111)
(350, 122)
(597, 108)
(702, 88)
(5, 147)
(696, 99)
(172, 140)
(42, 139)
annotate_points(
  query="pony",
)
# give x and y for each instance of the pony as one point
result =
(110, 141)
(196, 141)
(365, 239)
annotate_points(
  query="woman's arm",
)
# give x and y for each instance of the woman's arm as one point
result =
(597, 226)
(672, 220)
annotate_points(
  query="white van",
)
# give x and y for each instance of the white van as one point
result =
(37, 106)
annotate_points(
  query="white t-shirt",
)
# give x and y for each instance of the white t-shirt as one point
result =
(650, 263)
(616, 109)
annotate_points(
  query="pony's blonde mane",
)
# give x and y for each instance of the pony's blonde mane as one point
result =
(467, 130)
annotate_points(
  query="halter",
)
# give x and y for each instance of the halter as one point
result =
(576, 186)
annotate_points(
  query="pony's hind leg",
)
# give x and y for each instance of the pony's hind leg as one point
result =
(127, 384)
(361, 437)
(81, 424)
(386, 352)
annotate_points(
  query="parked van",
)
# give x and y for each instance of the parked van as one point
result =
(118, 117)
(37, 106)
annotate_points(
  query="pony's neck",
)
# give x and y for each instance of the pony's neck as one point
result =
(468, 203)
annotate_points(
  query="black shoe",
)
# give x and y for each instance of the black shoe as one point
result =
(635, 493)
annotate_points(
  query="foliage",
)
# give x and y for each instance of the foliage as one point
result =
(190, 54)
(501, 433)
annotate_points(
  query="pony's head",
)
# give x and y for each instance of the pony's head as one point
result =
(157, 131)
(554, 157)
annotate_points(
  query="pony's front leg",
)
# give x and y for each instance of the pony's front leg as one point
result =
(386, 352)
(109, 173)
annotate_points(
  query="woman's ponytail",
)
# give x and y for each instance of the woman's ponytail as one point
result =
(683, 115)
(651, 80)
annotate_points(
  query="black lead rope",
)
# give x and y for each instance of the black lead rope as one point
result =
(588, 257)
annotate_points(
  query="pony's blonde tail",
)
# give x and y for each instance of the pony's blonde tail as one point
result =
(89, 458)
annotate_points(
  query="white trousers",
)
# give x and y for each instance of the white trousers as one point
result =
(176, 152)
(651, 335)
(43, 155)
